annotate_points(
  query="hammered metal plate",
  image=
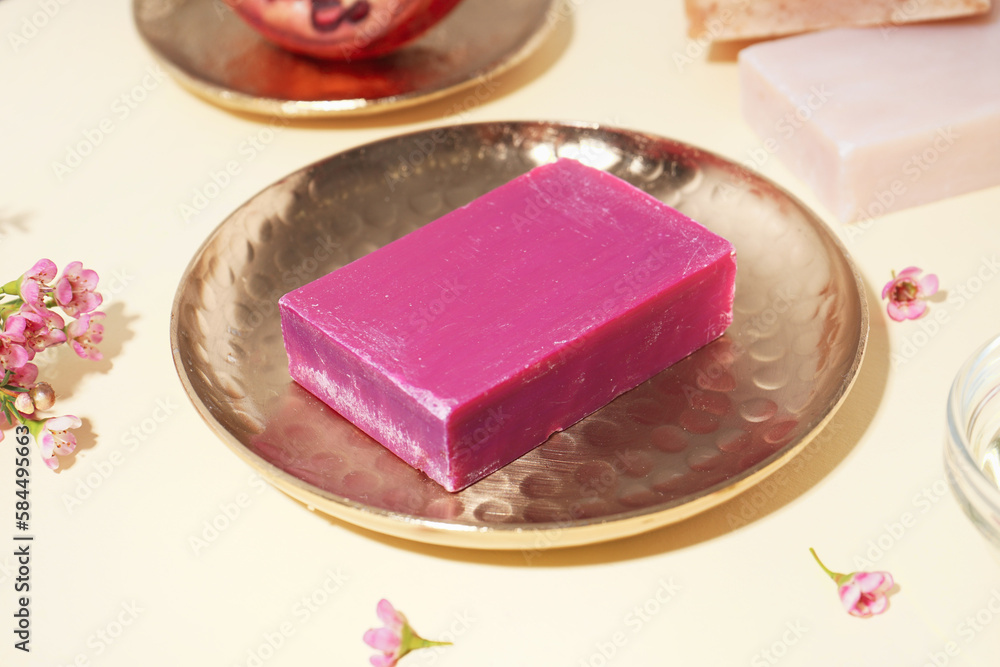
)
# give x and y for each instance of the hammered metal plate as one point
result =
(214, 54)
(693, 436)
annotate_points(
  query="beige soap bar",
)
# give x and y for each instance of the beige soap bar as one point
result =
(875, 119)
(720, 20)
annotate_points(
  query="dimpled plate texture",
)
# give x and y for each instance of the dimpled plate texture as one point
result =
(697, 434)
(214, 54)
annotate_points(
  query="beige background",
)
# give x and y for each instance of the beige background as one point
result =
(116, 549)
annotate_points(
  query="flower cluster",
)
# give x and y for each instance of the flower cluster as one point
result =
(30, 322)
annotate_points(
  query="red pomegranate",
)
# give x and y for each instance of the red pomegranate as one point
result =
(342, 29)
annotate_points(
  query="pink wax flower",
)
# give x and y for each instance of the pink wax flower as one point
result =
(396, 639)
(24, 376)
(44, 271)
(863, 594)
(75, 290)
(907, 292)
(85, 333)
(33, 284)
(54, 437)
(39, 276)
(44, 328)
(13, 353)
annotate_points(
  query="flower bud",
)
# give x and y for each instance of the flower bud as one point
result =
(24, 404)
(43, 396)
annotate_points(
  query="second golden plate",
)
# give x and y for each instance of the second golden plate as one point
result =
(214, 54)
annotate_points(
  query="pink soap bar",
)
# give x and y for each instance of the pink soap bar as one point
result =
(466, 343)
(877, 120)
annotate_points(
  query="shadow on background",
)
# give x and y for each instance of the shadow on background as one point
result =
(64, 370)
(11, 221)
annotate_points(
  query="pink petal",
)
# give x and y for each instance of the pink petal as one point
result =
(44, 270)
(895, 312)
(888, 287)
(64, 291)
(91, 300)
(85, 353)
(31, 292)
(861, 610)
(87, 278)
(65, 445)
(15, 357)
(47, 443)
(928, 285)
(388, 615)
(878, 604)
(382, 639)
(63, 423)
(910, 272)
(14, 329)
(850, 595)
(870, 582)
(915, 309)
(25, 375)
(383, 661)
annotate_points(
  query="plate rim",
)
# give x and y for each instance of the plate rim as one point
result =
(508, 535)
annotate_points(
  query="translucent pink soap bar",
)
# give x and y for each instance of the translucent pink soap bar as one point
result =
(877, 120)
(466, 343)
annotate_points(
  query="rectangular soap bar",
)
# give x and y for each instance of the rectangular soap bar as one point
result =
(876, 120)
(722, 20)
(466, 343)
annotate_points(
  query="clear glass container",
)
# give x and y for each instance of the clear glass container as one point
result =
(972, 450)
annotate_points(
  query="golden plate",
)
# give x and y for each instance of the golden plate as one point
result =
(697, 434)
(214, 54)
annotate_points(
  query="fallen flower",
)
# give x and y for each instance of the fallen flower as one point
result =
(863, 594)
(396, 639)
(54, 437)
(907, 293)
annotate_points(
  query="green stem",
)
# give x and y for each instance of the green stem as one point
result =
(420, 642)
(411, 641)
(836, 576)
